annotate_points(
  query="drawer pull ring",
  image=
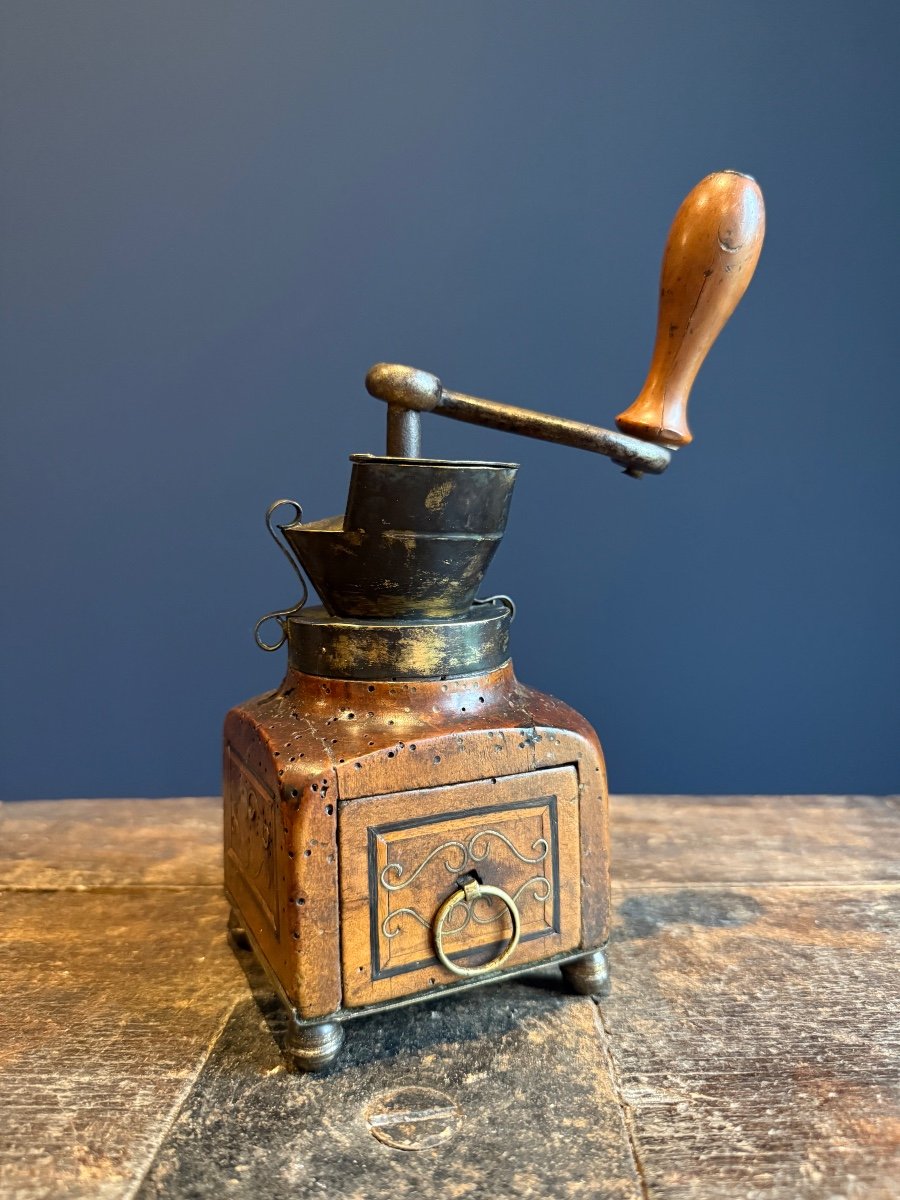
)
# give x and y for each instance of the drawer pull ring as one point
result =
(468, 894)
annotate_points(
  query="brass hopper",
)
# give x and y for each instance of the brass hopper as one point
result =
(403, 817)
(415, 541)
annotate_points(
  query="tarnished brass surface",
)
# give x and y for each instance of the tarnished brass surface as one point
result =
(394, 572)
(408, 387)
(415, 542)
(429, 495)
(470, 893)
(404, 432)
(346, 648)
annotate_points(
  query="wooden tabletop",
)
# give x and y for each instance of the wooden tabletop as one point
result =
(749, 1047)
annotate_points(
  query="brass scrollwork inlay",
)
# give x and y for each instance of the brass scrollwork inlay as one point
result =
(395, 916)
(453, 867)
(543, 891)
(459, 856)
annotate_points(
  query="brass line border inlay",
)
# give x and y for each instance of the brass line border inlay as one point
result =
(548, 801)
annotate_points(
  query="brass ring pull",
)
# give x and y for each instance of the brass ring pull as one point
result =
(469, 893)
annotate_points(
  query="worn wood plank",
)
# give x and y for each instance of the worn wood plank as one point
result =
(103, 843)
(756, 1037)
(752, 1031)
(511, 1077)
(755, 838)
(111, 843)
(109, 1003)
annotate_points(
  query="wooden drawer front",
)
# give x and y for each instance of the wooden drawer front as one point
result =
(402, 856)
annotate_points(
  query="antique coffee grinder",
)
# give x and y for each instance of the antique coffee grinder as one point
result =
(403, 817)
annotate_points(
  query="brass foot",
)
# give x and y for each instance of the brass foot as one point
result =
(312, 1047)
(237, 934)
(588, 976)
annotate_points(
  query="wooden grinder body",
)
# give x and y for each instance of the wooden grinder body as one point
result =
(352, 809)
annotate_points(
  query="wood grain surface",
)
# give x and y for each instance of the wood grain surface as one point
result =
(62, 844)
(710, 256)
(758, 1053)
(739, 839)
(550, 925)
(749, 1047)
(109, 1003)
(297, 756)
(534, 1117)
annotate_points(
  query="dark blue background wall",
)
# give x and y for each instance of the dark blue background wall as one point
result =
(217, 215)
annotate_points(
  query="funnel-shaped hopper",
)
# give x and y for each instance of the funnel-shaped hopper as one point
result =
(416, 540)
(428, 495)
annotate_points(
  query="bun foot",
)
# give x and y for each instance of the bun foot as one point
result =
(237, 934)
(588, 976)
(312, 1047)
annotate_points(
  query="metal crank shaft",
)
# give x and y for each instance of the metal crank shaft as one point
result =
(407, 389)
(711, 254)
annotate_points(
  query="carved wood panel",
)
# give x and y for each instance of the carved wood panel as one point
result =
(249, 837)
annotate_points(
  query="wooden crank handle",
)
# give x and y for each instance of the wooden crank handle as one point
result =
(709, 260)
